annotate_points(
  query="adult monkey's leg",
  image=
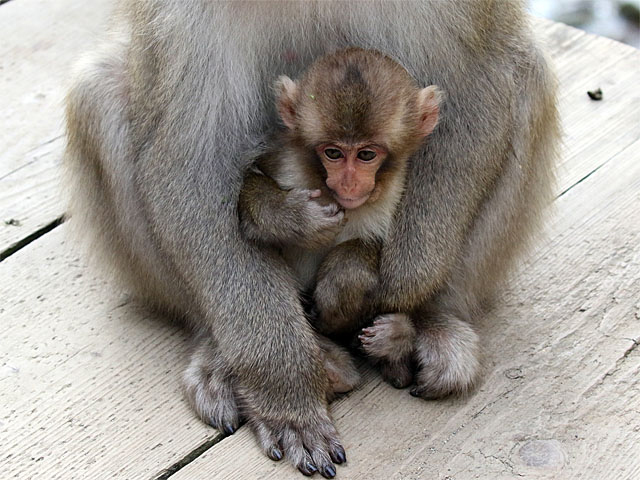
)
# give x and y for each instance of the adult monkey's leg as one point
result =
(156, 156)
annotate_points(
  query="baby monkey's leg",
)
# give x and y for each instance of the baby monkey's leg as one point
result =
(344, 301)
(343, 295)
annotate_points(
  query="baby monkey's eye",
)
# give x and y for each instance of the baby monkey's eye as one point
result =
(333, 153)
(366, 155)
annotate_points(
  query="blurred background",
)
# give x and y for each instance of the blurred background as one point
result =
(617, 19)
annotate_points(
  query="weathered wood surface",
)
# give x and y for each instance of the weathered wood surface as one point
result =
(41, 39)
(88, 380)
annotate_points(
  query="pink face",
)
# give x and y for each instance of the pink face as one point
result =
(351, 171)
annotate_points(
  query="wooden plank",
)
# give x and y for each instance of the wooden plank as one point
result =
(560, 397)
(593, 130)
(88, 381)
(40, 42)
(88, 385)
(29, 167)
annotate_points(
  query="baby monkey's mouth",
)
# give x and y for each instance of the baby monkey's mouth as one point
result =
(351, 203)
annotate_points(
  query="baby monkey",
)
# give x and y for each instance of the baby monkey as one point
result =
(326, 191)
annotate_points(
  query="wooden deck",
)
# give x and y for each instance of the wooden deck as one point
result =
(89, 380)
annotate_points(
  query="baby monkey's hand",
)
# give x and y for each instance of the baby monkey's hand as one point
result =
(319, 221)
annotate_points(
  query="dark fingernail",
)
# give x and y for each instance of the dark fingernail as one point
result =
(308, 469)
(414, 392)
(338, 455)
(328, 471)
(275, 454)
(228, 428)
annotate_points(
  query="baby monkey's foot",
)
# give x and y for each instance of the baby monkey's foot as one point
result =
(390, 343)
(208, 388)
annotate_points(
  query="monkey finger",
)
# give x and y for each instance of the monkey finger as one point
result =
(398, 374)
(337, 453)
(426, 393)
(331, 210)
(337, 219)
(382, 320)
(368, 332)
(315, 193)
(296, 452)
(316, 446)
(321, 458)
(336, 450)
(268, 441)
(320, 447)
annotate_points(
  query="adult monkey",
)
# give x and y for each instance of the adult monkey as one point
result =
(160, 122)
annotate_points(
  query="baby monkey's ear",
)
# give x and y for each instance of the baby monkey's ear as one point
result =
(287, 93)
(429, 99)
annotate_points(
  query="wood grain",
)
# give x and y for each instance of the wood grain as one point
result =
(41, 40)
(89, 380)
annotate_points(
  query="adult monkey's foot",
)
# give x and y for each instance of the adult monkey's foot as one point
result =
(208, 387)
(309, 442)
(311, 445)
(447, 351)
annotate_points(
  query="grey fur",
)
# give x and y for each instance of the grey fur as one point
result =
(161, 121)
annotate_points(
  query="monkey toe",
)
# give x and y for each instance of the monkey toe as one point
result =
(228, 428)
(390, 337)
(328, 471)
(337, 454)
(274, 454)
(319, 447)
(397, 374)
(398, 381)
(374, 342)
(227, 422)
(213, 401)
(267, 439)
(307, 469)
(428, 394)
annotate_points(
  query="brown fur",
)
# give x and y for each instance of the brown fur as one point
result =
(161, 122)
(350, 96)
